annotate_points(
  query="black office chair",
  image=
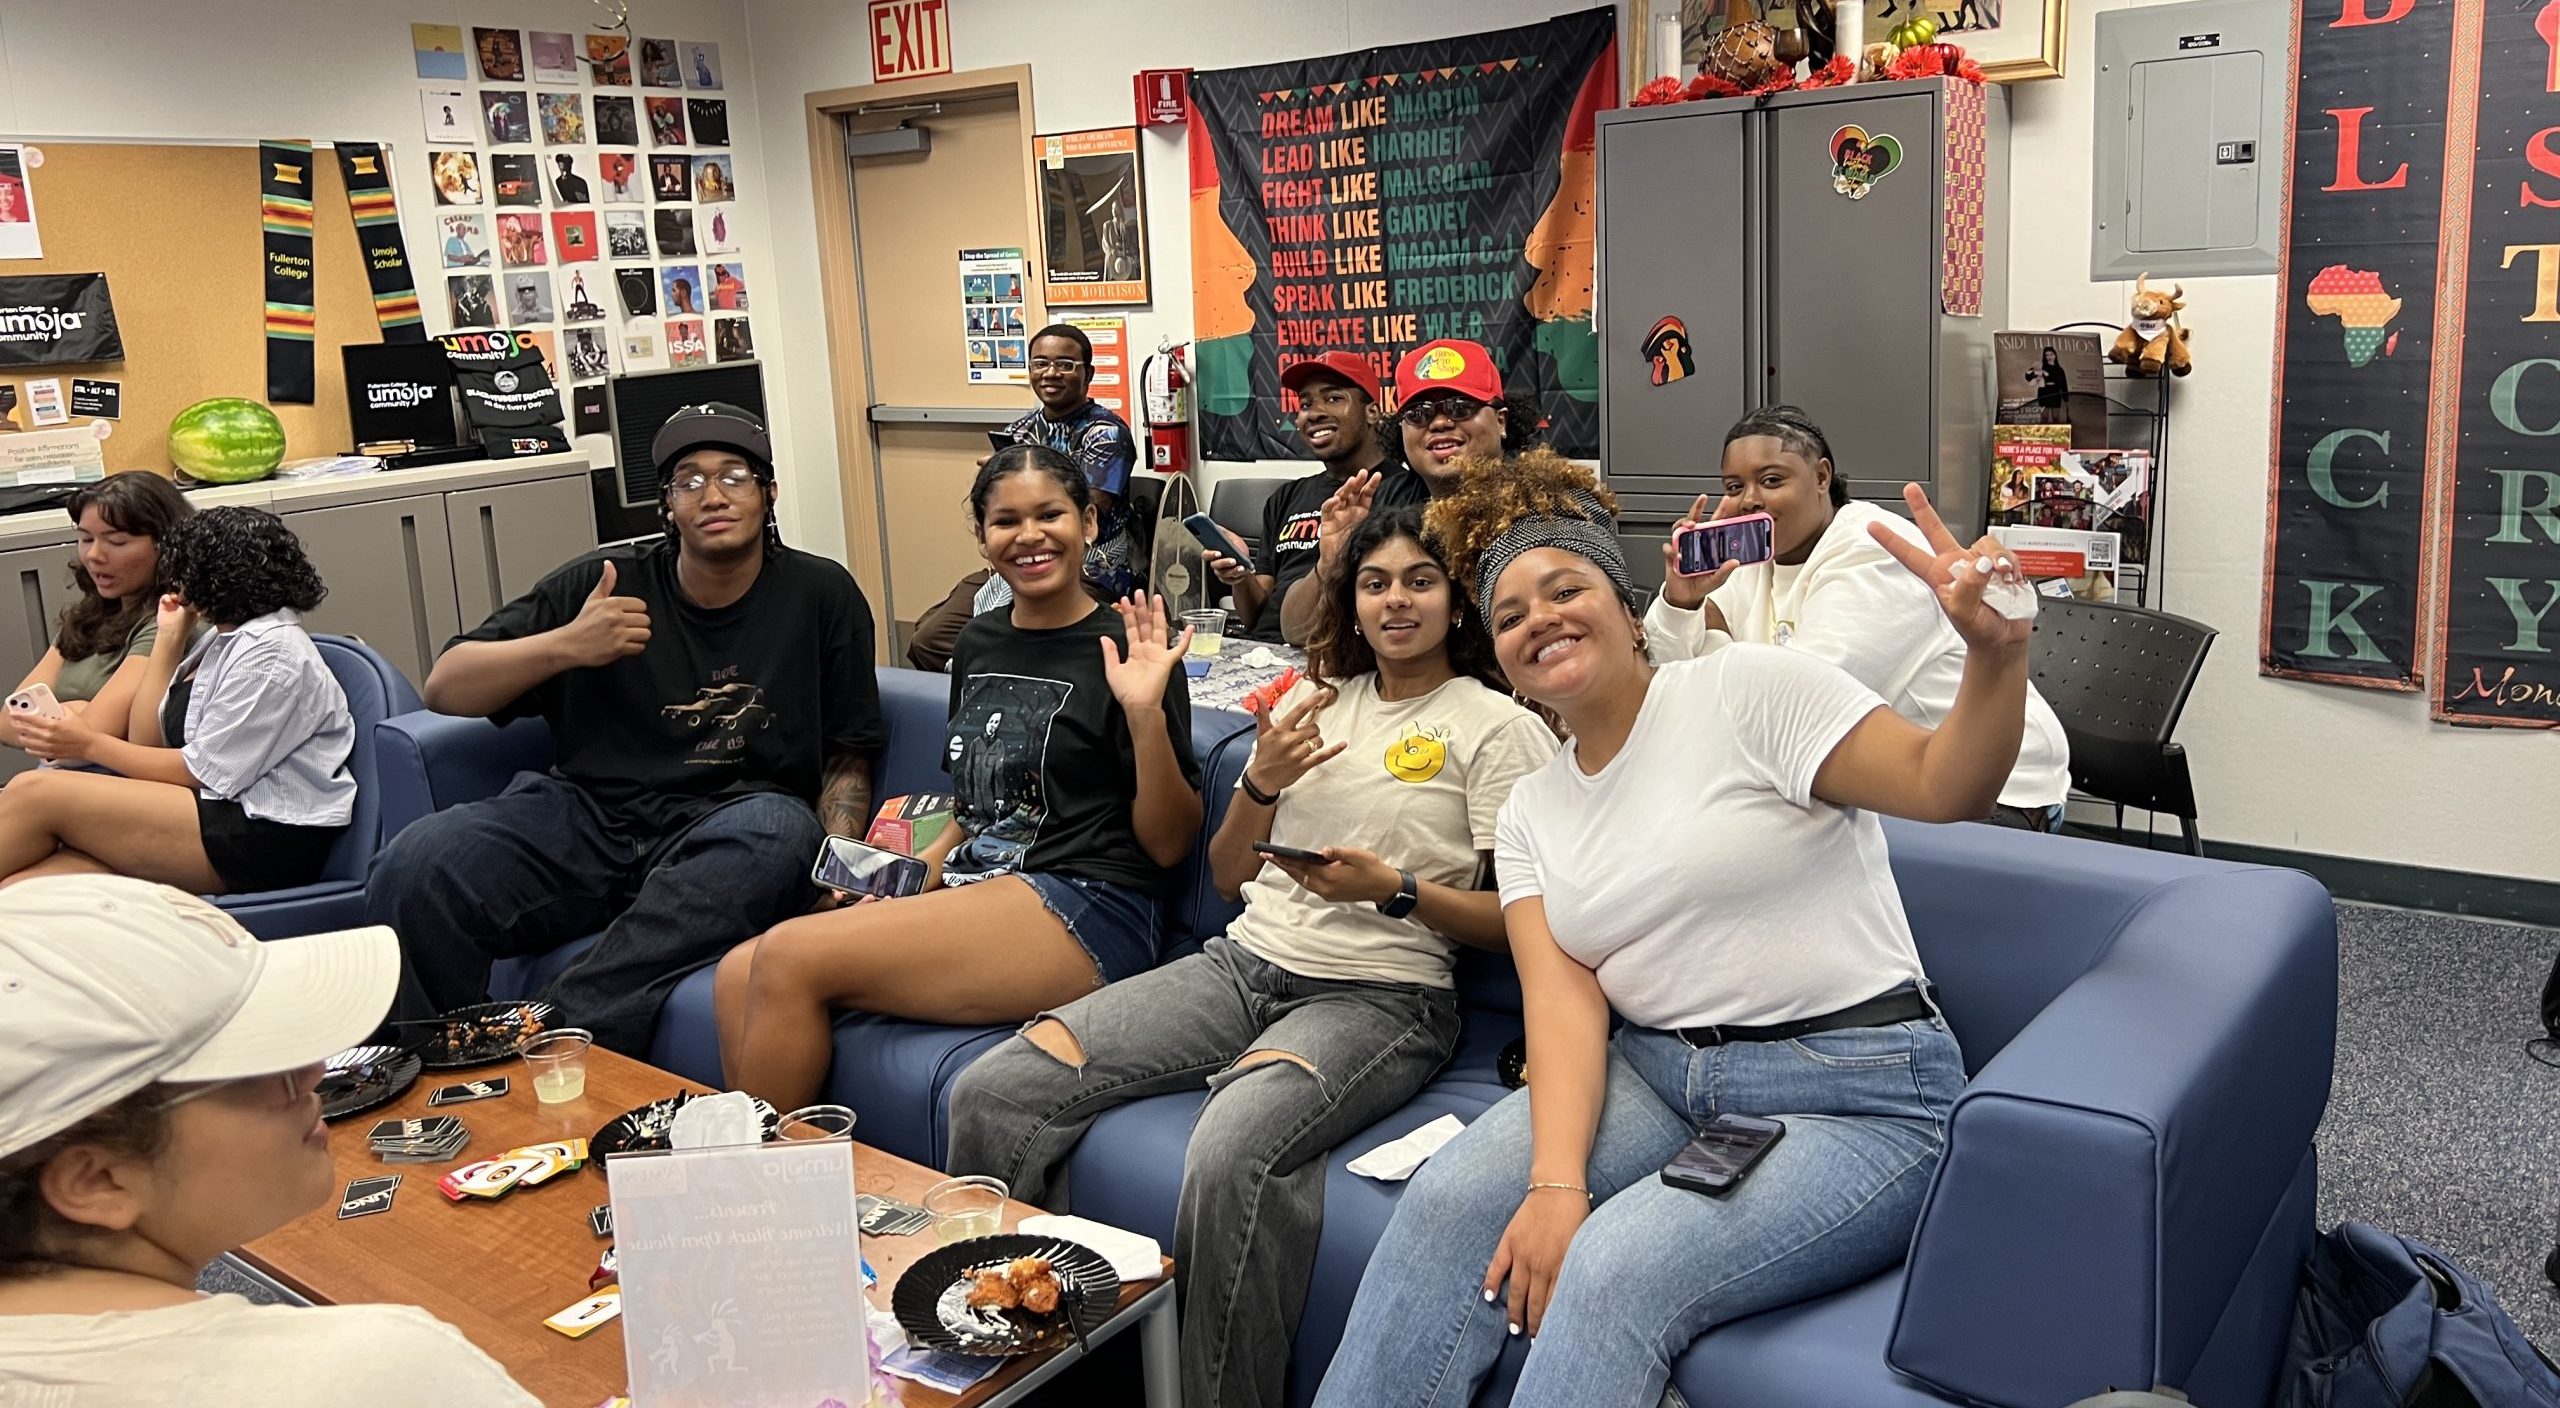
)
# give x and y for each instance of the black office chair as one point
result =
(1145, 500)
(2119, 676)
(1237, 504)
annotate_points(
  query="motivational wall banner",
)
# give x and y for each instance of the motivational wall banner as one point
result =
(50, 320)
(2355, 370)
(386, 254)
(1371, 202)
(284, 204)
(2498, 563)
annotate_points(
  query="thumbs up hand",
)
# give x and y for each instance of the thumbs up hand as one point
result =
(607, 627)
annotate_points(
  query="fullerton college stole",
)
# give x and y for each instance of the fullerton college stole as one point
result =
(386, 254)
(284, 202)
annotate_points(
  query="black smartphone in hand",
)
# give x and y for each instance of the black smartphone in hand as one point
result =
(1001, 439)
(1723, 1154)
(1265, 848)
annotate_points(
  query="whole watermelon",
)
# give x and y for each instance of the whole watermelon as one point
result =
(227, 440)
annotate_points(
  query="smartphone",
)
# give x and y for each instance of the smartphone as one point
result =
(36, 699)
(1265, 848)
(850, 867)
(1001, 439)
(1723, 1154)
(1206, 531)
(1705, 547)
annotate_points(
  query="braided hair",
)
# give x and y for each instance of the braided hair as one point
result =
(1791, 427)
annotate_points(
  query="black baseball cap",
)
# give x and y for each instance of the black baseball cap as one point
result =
(716, 424)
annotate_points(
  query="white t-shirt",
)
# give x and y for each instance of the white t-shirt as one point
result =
(1420, 784)
(223, 1350)
(1696, 874)
(1851, 603)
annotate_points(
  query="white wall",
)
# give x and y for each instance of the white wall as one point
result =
(2304, 767)
(2296, 766)
(1082, 62)
(240, 70)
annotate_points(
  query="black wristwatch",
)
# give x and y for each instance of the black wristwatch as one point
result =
(1408, 894)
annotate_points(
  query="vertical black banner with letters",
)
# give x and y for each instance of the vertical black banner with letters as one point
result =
(284, 207)
(2498, 569)
(2355, 374)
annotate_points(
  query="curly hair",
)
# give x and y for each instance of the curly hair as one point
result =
(237, 564)
(1493, 494)
(145, 505)
(32, 1234)
(1337, 651)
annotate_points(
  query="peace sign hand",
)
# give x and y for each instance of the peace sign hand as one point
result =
(1138, 681)
(1961, 575)
(1290, 747)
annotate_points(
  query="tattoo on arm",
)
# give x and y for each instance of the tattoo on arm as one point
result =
(844, 800)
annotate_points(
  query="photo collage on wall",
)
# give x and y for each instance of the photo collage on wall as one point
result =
(585, 193)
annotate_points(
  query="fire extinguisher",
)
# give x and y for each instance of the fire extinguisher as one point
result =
(1166, 383)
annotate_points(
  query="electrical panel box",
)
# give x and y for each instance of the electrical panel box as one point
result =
(2188, 158)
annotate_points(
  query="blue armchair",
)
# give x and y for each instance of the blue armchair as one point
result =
(375, 692)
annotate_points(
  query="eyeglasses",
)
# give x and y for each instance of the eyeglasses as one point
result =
(691, 483)
(1056, 364)
(1458, 409)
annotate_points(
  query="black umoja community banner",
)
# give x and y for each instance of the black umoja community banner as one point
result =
(2498, 564)
(52, 320)
(2355, 373)
(1371, 202)
(386, 254)
(284, 204)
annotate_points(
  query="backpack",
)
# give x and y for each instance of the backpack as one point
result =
(2551, 1001)
(2390, 1322)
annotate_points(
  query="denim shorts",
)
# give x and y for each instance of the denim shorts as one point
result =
(1118, 927)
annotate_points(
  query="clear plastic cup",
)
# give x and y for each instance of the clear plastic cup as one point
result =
(558, 1061)
(1208, 631)
(963, 1208)
(817, 1122)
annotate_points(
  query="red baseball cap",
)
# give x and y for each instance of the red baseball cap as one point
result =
(1449, 364)
(1344, 366)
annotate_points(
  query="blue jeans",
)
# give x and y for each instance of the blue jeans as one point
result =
(540, 865)
(1832, 1204)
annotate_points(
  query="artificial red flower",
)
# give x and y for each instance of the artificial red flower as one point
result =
(1659, 91)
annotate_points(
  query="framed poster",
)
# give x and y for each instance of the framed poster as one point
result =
(1092, 216)
(2011, 39)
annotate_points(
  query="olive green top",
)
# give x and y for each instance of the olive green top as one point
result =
(83, 678)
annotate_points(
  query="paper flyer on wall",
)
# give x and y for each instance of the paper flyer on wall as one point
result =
(18, 238)
(991, 292)
(1109, 380)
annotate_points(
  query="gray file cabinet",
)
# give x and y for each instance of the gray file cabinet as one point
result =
(507, 538)
(389, 568)
(1723, 214)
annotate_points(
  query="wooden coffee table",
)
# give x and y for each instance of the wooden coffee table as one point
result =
(496, 1269)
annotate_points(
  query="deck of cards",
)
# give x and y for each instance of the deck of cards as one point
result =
(433, 1140)
(532, 1165)
(887, 1217)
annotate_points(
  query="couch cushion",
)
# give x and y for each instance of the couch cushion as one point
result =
(1818, 1354)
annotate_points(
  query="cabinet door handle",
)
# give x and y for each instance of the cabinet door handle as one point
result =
(489, 553)
(39, 635)
(409, 554)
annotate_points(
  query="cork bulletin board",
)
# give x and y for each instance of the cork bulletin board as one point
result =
(176, 231)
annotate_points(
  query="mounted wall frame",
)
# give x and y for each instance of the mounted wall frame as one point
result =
(2188, 157)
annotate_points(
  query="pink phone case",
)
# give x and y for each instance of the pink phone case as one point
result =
(1686, 555)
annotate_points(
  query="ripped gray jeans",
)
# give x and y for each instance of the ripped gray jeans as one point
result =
(1253, 1176)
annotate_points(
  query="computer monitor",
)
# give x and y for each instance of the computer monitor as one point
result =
(642, 401)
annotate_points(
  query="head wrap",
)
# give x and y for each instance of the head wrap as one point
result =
(1593, 535)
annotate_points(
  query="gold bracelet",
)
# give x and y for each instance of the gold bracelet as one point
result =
(1567, 1187)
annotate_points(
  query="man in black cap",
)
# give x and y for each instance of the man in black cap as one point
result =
(714, 712)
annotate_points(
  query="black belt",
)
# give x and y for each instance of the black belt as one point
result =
(1899, 1005)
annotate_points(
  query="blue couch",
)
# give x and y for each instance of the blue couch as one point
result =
(375, 692)
(2127, 1195)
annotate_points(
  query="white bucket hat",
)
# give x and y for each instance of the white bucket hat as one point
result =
(108, 985)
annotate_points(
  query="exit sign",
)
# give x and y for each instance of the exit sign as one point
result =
(909, 39)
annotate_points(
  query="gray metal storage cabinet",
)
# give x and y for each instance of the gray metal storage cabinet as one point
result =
(1723, 214)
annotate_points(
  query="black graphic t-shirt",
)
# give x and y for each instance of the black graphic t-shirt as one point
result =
(750, 698)
(1040, 757)
(1289, 522)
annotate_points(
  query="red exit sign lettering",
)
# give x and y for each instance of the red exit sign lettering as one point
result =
(909, 39)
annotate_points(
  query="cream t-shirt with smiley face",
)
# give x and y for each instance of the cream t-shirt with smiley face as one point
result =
(1421, 784)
